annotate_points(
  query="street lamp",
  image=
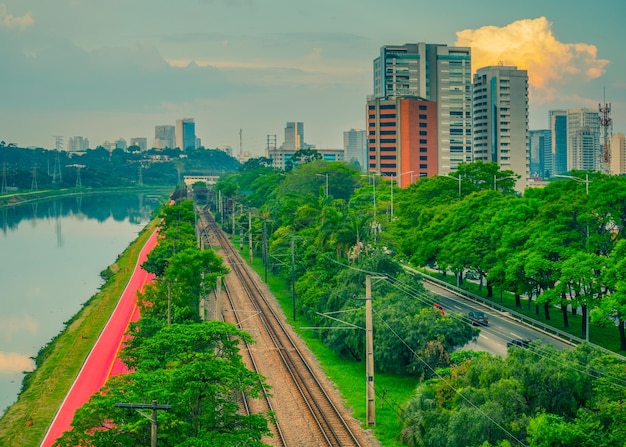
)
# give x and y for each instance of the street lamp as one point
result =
(586, 182)
(408, 172)
(324, 175)
(496, 179)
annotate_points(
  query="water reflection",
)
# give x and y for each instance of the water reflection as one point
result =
(51, 256)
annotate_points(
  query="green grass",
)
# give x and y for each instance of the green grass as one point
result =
(392, 392)
(606, 336)
(26, 421)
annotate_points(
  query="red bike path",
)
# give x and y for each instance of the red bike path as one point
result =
(102, 362)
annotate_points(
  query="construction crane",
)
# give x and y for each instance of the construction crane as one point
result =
(606, 123)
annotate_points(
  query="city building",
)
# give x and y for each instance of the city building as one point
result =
(540, 153)
(281, 157)
(140, 142)
(558, 135)
(618, 154)
(437, 73)
(164, 137)
(402, 138)
(294, 136)
(77, 144)
(121, 144)
(355, 147)
(583, 140)
(500, 119)
(185, 133)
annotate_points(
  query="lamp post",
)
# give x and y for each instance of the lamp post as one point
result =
(496, 180)
(586, 181)
(407, 172)
(324, 175)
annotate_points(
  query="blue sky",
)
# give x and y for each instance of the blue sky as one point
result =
(115, 69)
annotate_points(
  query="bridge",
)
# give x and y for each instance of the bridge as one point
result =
(208, 179)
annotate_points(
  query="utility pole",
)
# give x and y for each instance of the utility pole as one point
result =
(370, 409)
(250, 236)
(293, 280)
(152, 418)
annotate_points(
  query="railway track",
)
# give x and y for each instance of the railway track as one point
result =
(325, 419)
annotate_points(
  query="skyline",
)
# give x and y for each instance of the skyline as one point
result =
(117, 70)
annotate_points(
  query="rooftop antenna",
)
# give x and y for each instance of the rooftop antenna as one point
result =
(606, 123)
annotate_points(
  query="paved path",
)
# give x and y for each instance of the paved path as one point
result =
(102, 361)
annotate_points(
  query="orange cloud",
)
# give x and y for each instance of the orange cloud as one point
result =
(10, 21)
(530, 45)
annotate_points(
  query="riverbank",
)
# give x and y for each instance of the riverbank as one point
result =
(58, 363)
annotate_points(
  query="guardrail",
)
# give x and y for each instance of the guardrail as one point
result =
(521, 318)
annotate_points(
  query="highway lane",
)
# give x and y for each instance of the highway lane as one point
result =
(102, 361)
(501, 329)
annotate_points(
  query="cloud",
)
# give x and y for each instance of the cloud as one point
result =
(531, 45)
(9, 326)
(11, 21)
(11, 362)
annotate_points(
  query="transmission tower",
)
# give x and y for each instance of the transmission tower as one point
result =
(79, 183)
(58, 142)
(33, 184)
(606, 123)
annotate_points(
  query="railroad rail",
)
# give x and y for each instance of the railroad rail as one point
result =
(332, 427)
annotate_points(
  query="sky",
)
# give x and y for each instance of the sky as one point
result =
(115, 69)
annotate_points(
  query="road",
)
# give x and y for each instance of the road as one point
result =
(501, 328)
(102, 361)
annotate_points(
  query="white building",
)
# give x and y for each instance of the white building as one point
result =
(583, 140)
(355, 147)
(500, 119)
(618, 154)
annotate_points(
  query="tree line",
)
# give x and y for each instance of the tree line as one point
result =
(175, 357)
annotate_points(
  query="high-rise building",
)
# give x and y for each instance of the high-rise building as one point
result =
(558, 131)
(294, 136)
(77, 144)
(164, 137)
(436, 73)
(618, 154)
(140, 142)
(583, 140)
(500, 123)
(540, 153)
(355, 147)
(185, 133)
(402, 138)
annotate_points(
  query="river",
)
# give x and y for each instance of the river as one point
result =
(51, 256)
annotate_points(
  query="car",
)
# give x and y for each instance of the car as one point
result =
(519, 342)
(439, 307)
(477, 318)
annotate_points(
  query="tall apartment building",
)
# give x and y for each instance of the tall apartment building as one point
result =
(583, 140)
(500, 119)
(77, 144)
(294, 136)
(540, 153)
(618, 154)
(355, 147)
(437, 73)
(558, 131)
(185, 133)
(402, 138)
(164, 137)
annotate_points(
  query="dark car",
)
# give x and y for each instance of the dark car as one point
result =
(519, 342)
(478, 318)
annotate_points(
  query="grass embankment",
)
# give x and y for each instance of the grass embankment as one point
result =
(606, 336)
(392, 392)
(26, 421)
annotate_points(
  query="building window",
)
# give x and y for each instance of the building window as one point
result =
(423, 149)
(423, 141)
(423, 157)
(423, 166)
(423, 124)
(422, 107)
(423, 117)
(423, 133)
